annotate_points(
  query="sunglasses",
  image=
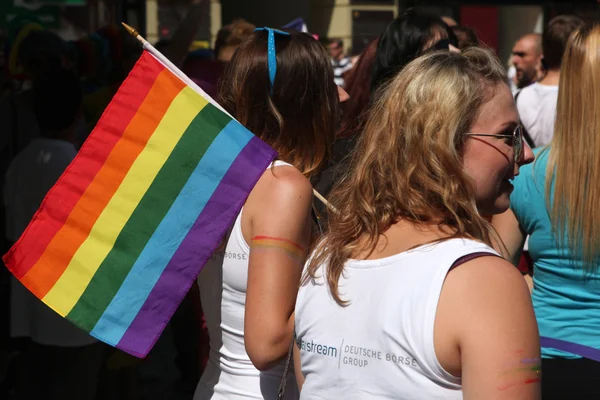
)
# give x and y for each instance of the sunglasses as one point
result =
(517, 141)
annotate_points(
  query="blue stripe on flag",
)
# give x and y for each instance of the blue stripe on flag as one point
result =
(168, 236)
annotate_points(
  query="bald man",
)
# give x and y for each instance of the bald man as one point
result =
(527, 59)
(537, 102)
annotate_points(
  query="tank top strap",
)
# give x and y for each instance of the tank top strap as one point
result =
(279, 163)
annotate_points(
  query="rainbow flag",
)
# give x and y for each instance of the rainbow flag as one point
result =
(121, 237)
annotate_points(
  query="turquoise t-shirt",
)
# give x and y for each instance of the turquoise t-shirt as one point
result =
(566, 299)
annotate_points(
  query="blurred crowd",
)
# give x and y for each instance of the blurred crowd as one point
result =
(381, 141)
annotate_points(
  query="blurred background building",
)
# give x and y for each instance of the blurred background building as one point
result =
(498, 22)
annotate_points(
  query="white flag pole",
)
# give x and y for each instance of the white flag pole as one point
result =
(172, 67)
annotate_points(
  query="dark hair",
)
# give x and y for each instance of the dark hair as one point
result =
(555, 37)
(163, 44)
(405, 38)
(359, 89)
(57, 100)
(233, 34)
(465, 36)
(299, 118)
(337, 42)
(42, 49)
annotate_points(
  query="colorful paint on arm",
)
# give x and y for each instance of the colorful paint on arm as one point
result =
(292, 250)
(523, 372)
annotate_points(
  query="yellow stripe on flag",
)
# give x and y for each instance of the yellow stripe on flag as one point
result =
(68, 289)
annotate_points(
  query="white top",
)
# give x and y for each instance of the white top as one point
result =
(537, 109)
(339, 68)
(230, 374)
(30, 176)
(511, 73)
(381, 345)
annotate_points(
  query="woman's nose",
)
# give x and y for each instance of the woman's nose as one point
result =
(528, 156)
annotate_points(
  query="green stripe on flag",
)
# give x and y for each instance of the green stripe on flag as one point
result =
(147, 216)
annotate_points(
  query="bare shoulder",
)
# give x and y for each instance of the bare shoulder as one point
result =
(486, 311)
(486, 275)
(486, 291)
(283, 184)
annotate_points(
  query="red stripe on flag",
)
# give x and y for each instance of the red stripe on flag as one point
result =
(32, 244)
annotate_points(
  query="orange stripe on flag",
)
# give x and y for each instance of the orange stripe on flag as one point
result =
(57, 256)
(57, 205)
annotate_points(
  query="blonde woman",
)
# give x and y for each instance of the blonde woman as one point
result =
(555, 201)
(404, 297)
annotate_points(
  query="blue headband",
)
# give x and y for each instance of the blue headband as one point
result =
(272, 57)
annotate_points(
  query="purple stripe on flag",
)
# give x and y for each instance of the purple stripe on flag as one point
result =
(195, 250)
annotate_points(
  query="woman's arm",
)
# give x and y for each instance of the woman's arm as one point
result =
(298, 367)
(278, 233)
(512, 235)
(486, 306)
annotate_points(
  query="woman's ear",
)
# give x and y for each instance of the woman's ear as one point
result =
(342, 94)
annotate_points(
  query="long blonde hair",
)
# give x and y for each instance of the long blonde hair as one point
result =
(573, 170)
(408, 163)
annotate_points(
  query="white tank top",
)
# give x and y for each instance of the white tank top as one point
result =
(223, 281)
(380, 346)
